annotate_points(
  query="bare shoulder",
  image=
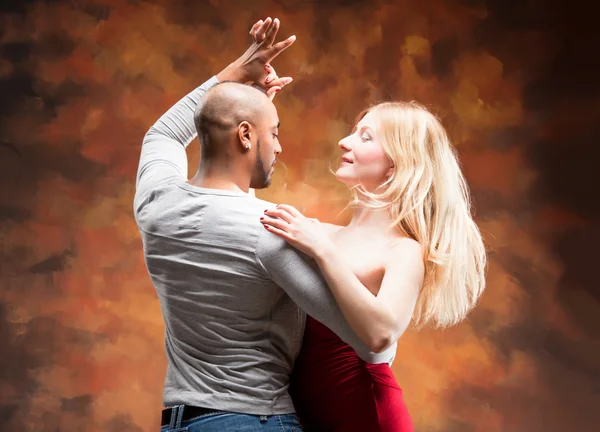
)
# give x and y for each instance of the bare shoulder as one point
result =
(407, 250)
(331, 228)
(406, 244)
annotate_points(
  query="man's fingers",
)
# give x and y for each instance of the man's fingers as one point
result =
(262, 30)
(272, 32)
(276, 49)
(255, 27)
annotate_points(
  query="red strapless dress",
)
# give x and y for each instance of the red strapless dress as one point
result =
(334, 390)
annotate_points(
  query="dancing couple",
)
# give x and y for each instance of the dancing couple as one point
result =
(275, 321)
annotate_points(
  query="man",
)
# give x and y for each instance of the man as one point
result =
(229, 290)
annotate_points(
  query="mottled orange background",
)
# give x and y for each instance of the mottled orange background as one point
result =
(515, 82)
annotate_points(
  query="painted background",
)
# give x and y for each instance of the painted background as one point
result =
(81, 345)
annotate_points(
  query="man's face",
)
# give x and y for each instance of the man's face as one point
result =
(267, 148)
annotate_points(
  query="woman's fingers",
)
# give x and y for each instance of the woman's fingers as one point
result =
(271, 77)
(290, 209)
(280, 82)
(284, 216)
(272, 92)
(278, 232)
(277, 223)
(276, 85)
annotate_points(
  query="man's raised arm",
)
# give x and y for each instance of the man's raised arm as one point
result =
(163, 158)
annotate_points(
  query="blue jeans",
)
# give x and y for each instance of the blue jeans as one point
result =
(225, 421)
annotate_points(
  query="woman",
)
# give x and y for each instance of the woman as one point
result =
(411, 252)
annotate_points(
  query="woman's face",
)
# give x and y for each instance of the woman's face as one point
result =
(363, 159)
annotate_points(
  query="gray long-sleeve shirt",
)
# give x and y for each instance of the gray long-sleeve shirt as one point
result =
(233, 295)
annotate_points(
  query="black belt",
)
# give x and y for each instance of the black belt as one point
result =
(189, 412)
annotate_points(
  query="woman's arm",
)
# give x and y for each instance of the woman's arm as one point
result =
(302, 281)
(378, 320)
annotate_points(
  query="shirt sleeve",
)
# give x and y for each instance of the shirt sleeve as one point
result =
(300, 278)
(163, 157)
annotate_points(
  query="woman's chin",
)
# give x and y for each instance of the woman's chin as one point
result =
(344, 178)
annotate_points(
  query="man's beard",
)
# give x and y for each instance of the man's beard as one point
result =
(260, 173)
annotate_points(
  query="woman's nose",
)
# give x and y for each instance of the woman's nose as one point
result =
(344, 144)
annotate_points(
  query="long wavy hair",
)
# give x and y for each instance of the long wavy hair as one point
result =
(429, 201)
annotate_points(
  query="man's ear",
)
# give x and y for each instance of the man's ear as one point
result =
(245, 135)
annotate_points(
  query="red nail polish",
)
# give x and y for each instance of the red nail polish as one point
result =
(262, 218)
(266, 226)
(277, 90)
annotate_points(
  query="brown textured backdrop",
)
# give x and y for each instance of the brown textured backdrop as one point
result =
(514, 82)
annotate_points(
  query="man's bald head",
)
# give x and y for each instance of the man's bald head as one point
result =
(223, 108)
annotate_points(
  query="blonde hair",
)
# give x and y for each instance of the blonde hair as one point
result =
(428, 199)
